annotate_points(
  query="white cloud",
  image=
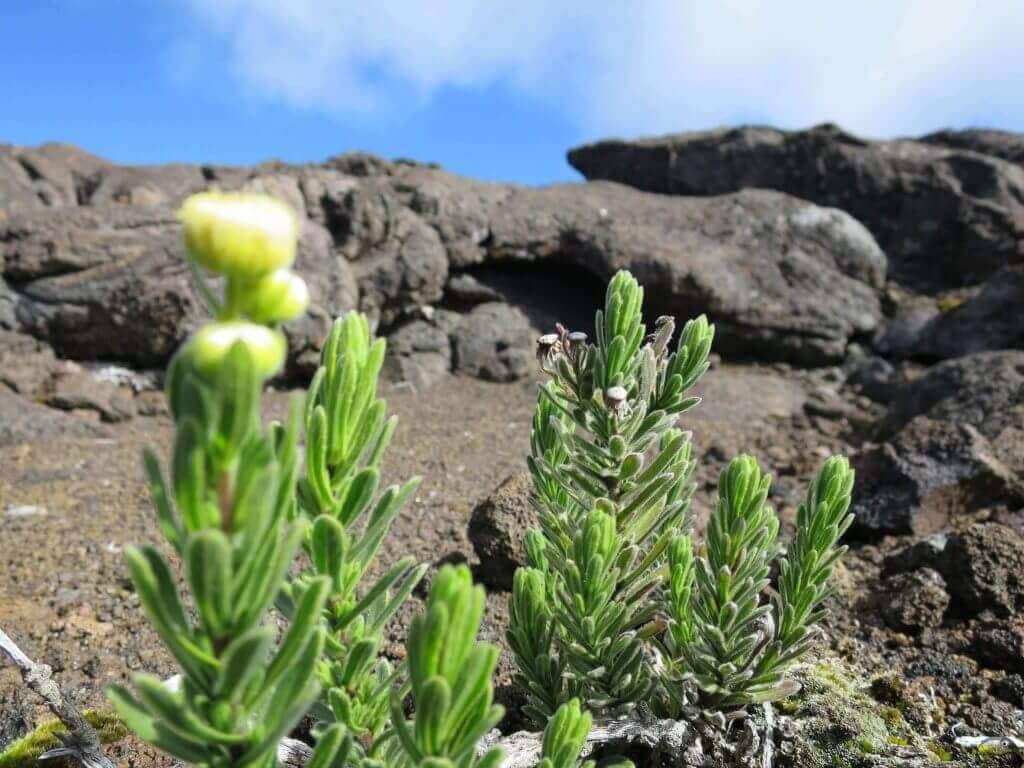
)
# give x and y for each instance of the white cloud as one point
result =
(641, 66)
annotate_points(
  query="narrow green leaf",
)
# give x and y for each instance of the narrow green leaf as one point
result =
(208, 563)
(242, 659)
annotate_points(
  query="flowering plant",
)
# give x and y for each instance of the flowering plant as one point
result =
(614, 605)
(226, 512)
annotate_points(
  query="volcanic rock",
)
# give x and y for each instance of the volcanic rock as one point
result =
(497, 529)
(1002, 144)
(23, 421)
(82, 390)
(984, 570)
(419, 353)
(914, 601)
(989, 320)
(925, 476)
(494, 341)
(999, 645)
(945, 217)
(104, 278)
(985, 390)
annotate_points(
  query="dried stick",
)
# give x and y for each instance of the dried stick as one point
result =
(81, 742)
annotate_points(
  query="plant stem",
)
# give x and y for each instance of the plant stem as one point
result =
(82, 741)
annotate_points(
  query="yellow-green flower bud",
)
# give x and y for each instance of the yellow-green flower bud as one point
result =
(211, 344)
(239, 235)
(276, 297)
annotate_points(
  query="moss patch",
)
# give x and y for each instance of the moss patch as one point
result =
(24, 752)
(949, 303)
(838, 721)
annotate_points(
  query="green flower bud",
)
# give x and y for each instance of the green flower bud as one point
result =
(276, 297)
(211, 344)
(239, 235)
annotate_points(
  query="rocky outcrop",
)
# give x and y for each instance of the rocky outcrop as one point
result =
(23, 421)
(756, 261)
(987, 320)
(927, 475)
(984, 566)
(985, 390)
(760, 263)
(100, 283)
(97, 270)
(494, 342)
(110, 282)
(51, 175)
(945, 217)
(954, 442)
(1002, 144)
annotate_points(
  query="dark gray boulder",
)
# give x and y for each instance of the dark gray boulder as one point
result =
(23, 421)
(497, 530)
(914, 601)
(980, 564)
(111, 282)
(985, 390)
(419, 353)
(945, 217)
(399, 260)
(899, 336)
(101, 283)
(984, 568)
(927, 475)
(781, 279)
(875, 377)
(495, 342)
(990, 319)
(999, 645)
(1002, 144)
(953, 444)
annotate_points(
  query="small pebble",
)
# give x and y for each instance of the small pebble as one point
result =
(26, 510)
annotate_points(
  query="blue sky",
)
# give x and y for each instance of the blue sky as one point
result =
(489, 88)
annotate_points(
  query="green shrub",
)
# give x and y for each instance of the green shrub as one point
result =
(614, 605)
(347, 432)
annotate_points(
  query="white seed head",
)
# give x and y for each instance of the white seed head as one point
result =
(616, 395)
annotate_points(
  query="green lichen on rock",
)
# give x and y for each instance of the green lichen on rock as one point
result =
(939, 752)
(835, 722)
(987, 756)
(24, 752)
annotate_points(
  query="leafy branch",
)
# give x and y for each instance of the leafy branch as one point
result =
(615, 605)
(347, 433)
(225, 513)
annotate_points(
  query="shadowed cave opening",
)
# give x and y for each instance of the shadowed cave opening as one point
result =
(547, 292)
